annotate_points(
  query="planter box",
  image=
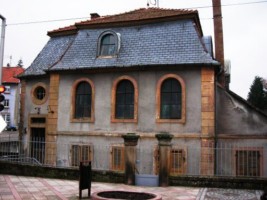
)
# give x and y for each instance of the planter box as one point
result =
(146, 180)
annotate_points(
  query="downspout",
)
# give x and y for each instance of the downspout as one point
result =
(2, 44)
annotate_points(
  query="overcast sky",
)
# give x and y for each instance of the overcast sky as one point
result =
(245, 29)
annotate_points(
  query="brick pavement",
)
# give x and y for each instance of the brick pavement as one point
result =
(27, 188)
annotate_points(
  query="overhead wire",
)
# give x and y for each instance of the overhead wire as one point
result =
(197, 7)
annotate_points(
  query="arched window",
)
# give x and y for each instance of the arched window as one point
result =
(82, 107)
(170, 99)
(108, 45)
(124, 100)
(83, 100)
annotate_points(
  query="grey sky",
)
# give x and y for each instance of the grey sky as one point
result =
(245, 29)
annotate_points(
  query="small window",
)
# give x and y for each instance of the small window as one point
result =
(38, 120)
(117, 158)
(80, 153)
(178, 161)
(39, 93)
(248, 163)
(6, 103)
(108, 44)
(7, 91)
(7, 119)
(83, 100)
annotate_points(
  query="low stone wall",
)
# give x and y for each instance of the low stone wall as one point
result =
(114, 177)
(61, 173)
(219, 182)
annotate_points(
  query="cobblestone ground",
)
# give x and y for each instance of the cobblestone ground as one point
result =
(27, 188)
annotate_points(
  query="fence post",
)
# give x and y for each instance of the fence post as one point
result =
(130, 142)
(164, 141)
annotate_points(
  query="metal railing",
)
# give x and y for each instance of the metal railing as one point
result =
(233, 160)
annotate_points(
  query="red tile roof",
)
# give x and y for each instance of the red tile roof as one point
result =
(135, 16)
(9, 74)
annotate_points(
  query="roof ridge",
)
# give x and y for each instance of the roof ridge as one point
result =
(140, 14)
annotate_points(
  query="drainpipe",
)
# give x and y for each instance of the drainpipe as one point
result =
(2, 44)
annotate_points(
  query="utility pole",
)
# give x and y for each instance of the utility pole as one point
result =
(2, 44)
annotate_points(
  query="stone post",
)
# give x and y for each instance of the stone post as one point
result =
(164, 140)
(130, 142)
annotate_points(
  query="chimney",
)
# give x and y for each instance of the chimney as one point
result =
(94, 15)
(218, 35)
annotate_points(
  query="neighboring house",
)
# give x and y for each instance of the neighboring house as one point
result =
(12, 94)
(146, 71)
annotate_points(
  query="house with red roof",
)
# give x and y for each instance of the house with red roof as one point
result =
(12, 94)
(151, 72)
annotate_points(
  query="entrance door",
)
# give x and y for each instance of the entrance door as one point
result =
(38, 144)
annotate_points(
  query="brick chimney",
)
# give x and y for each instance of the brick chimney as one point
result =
(218, 34)
(94, 15)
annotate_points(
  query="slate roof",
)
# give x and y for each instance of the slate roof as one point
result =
(167, 42)
(50, 55)
(10, 73)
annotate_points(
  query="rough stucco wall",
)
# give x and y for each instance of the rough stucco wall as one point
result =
(235, 117)
(226, 154)
(146, 105)
(29, 105)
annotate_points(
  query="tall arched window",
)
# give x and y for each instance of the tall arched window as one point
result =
(124, 100)
(83, 100)
(170, 99)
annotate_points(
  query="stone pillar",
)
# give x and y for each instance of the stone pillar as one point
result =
(207, 121)
(164, 140)
(130, 142)
(52, 117)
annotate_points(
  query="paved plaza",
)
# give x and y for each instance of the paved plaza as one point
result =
(20, 187)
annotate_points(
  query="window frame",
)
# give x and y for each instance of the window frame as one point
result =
(73, 102)
(8, 88)
(35, 100)
(7, 118)
(121, 167)
(113, 100)
(158, 99)
(117, 44)
(80, 154)
(183, 168)
(247, 149)
(6, 103)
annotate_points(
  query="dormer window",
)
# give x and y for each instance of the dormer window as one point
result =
(108, 44)
(107, 47)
